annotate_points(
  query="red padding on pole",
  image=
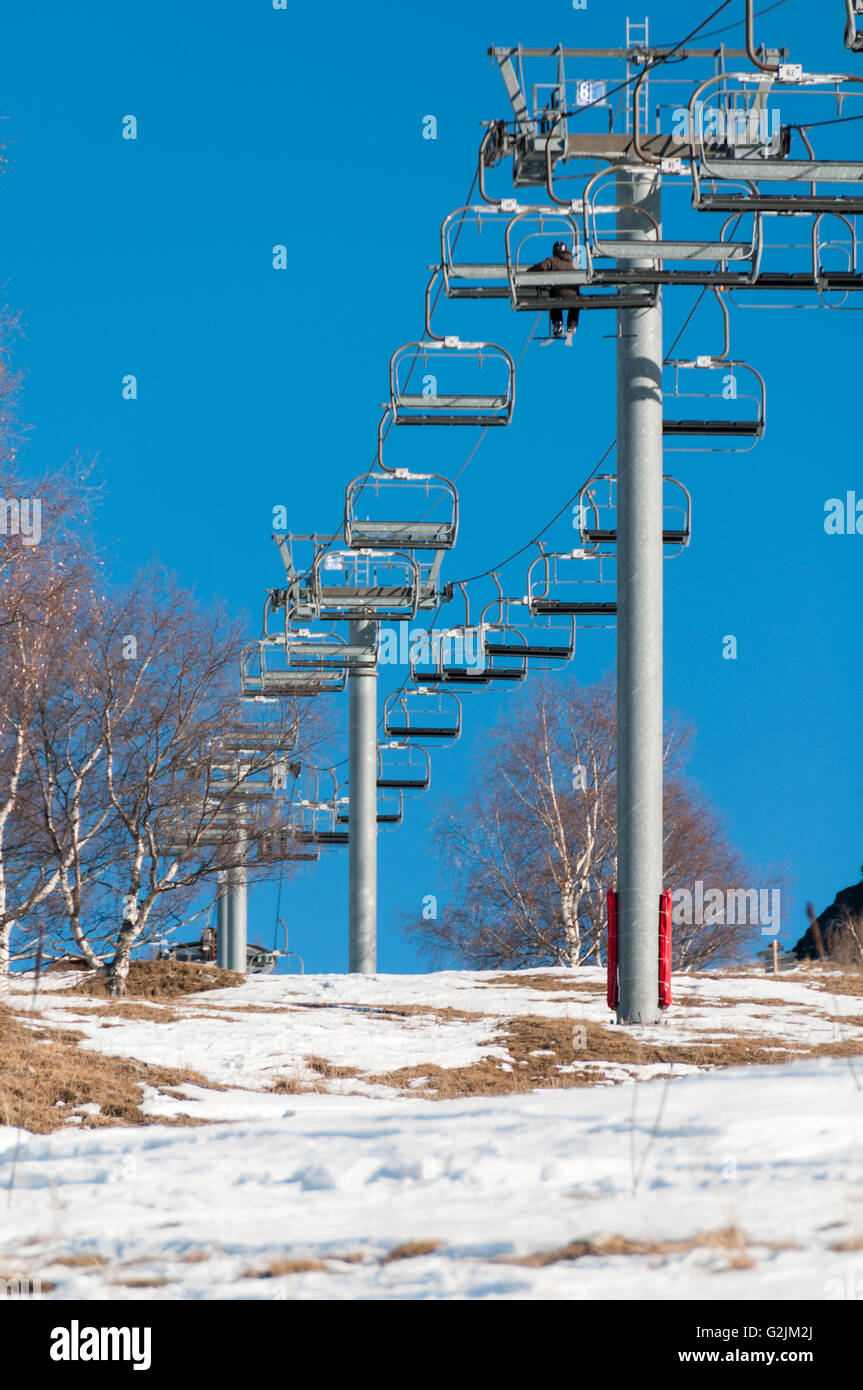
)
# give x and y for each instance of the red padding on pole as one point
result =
(611, 951)
(665, 950)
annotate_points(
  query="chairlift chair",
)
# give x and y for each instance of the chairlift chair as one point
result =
(431, 406)
(390, 808)
(264, 670)
(422, 714)
(373, 584)
(738, 261)
(737, 433)
(457, 656)
(280, 844)
(573, 583)
(316, 823)
(403, 767)
(511, 631)
(428, 664)
(260, 725)
(460, 277)
(538, 291)
(377, 503)
(753, 156)
(597, 514)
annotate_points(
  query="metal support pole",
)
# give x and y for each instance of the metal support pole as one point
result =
(222, 924)
(639, 624)
(363, 809)
(236, 950)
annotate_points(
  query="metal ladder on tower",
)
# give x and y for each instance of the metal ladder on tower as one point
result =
(637, 37)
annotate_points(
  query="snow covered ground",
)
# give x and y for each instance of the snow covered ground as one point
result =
(664, 1181)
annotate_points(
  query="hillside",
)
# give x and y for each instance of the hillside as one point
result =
(453, 1135)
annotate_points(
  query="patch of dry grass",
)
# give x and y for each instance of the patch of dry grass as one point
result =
(547, 982)
(41, 1068)
(277, 1268)
(163, 979)
(288, 1086)
(142, 1283)
(836, 979)
(329, 1069)
(727, 1238)
(560, 1039)
(120, 1008)
(410, 1250)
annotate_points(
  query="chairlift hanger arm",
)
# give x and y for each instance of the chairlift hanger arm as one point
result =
(853, 38)
(750, 41)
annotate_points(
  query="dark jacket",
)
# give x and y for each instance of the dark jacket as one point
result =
(558, 263)
(847, 903)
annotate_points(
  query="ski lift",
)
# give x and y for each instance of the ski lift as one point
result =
(264, 670)
(597, 513)
(390, 808)
(460, 656)
(422, 714)
(829, 263)
(306, 650)
(280, 845)
(854, 25)
(738, 432)
(430, 406)
(537, 291)
(403, 767)
(753, 147)
(457, 656)
(572, 583)
(614, 246)
(460, 276)
(317, 823)
(261, 725)
(512, 632)
(367, 584)
(454, 656)
(385, 496)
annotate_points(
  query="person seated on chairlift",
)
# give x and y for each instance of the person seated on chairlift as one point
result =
(560, 259)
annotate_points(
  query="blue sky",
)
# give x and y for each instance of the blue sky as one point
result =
(258, 388)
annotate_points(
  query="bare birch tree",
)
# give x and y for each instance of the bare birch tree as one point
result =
(530, 849)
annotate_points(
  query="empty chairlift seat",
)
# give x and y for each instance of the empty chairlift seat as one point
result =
(597, 514)
(731, 398)
(399, 510)
(575, 584)
(266, 669)
(511, 632)
(314, 819)
(742, 126)
(390, 808)
(676, 261)
(430, 384)
(380, 585)
(458, 657)
(424, 715)
(403, 766)
(262, 723)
